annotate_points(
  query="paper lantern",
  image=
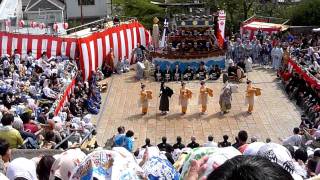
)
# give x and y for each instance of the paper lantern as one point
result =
(65, 25)
(42, 25)
(21, 23)
(55, 27)
(33, 24)
(8, 22)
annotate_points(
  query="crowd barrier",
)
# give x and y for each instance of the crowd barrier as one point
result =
(309, 78)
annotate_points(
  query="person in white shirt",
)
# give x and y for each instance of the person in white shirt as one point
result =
(29, 59)
(294, 140)
(210, 142)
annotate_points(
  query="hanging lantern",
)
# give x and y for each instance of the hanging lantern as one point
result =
(65, 25)
(42, 26)
(55, 27)
(8, 22)
(21, 23)
(33, 24)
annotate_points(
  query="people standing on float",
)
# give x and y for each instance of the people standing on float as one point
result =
(185, 95)
(165, 94)
(203, 96)
(145, 96)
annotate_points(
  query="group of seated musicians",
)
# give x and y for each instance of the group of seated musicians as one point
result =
(189, 74)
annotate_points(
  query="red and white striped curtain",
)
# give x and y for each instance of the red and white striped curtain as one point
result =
(122, 39)
(37, 43)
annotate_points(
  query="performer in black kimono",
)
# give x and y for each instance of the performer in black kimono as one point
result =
(176, 74)
(188, 73)
(167, 74)
(158, 74)
(165, 94)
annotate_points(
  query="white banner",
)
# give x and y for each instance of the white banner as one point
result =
(222, 22)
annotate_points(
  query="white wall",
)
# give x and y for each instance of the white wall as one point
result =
(98, 10)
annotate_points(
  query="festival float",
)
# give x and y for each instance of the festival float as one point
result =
(189, 39)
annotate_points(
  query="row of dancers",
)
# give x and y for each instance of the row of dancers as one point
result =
(185, 95)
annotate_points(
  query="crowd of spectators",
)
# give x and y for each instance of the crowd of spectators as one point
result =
(30, 91)
(244, 159)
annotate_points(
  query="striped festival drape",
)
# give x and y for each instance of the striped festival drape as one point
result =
(95, 48)
(38, 44)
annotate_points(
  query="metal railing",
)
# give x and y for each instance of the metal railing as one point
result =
(64, 140)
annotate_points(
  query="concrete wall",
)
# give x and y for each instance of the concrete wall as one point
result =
(100, 9)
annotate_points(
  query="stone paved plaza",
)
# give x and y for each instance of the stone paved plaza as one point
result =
(274, 114)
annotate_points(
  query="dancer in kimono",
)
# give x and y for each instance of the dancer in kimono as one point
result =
(145, 96)
(165, 94)
(225, 98)
(250, 93)
(276, 54)
(185, 95)
(203, 96)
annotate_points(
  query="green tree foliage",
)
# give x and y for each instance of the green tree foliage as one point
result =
(142, 9)
(307, 13)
